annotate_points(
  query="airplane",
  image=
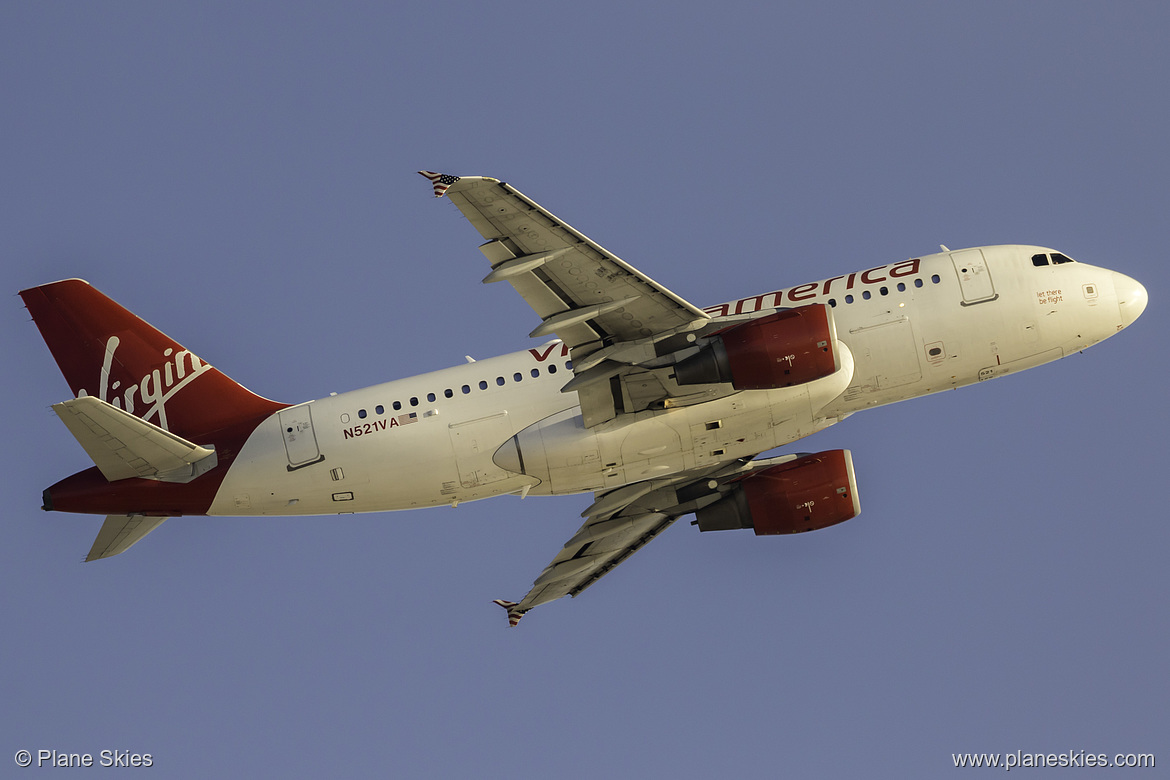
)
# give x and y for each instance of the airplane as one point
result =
(657, 407)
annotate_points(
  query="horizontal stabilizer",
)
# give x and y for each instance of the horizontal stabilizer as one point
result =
(124, 446)
(121, 532)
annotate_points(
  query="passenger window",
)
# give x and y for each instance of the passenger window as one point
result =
(448, 393)
(865, 294)
(535, 372)
(362, 413)
(414, 401)
(884, 291)
(901, 287)
(848, 299)
(431, 397)
(482, 385)
(466, 389)
(517, 377)
(917, 282)
(552, 368)
(833, 302)
(397, 405)
(934, 279)
(569, 365)
(500, 381)
(379, 409)
(1039, 260)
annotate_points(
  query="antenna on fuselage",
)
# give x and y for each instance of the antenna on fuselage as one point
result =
(943, 247)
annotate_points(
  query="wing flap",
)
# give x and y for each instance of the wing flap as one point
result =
(123, 446)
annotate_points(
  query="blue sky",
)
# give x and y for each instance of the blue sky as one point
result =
(242, 176)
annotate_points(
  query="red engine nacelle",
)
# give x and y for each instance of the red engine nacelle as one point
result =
(787, 348)
(812, 492)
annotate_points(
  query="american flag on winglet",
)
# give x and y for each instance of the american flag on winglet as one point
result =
(407, 419)
(441, 181)
(514, 614)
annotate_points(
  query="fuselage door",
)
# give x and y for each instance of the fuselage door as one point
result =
(974, 276)
(296, 426)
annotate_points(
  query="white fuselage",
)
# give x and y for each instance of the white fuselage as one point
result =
(909, 328)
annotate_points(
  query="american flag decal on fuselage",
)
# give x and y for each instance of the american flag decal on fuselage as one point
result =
(441, 181)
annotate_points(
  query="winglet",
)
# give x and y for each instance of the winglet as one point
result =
(441, 181)
(514, 614)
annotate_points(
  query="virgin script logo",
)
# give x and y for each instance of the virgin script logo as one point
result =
(153, 389)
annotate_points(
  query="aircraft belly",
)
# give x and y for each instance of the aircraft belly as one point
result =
(569, 458)
(886, 354)
(365, 475)
(375, 463)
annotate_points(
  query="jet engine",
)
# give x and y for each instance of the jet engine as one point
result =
(812, 492)
(786, 348)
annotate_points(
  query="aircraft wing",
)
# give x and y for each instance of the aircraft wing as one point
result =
(606, 311)
(623, 521)
(581, 563)
(582, 292)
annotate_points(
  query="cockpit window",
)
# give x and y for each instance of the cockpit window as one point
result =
(1057, 259)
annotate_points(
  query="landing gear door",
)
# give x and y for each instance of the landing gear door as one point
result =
(296, 426)
(974, 276)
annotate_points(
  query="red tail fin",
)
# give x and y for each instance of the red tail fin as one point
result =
(105, 351)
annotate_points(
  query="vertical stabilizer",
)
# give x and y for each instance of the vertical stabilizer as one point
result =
(107, 352)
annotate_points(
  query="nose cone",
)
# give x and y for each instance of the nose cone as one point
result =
(1131, 298)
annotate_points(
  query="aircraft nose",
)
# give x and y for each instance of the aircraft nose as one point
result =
(1131, 298)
